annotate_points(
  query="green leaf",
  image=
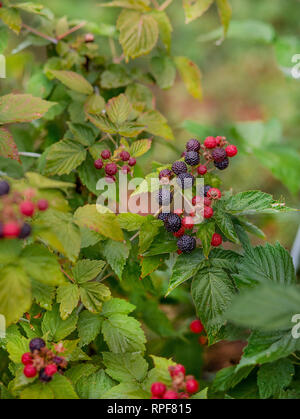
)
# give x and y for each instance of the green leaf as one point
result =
(201, 395)
(74, 81)
(118, 109)
(277, 303)
(125, 367)
(160, 372)
(92, 295)
(15, 293)
(78, 371)
(185, 267)
(164, 71)
(8, 147)
(225, 13)
(275, 376)
(248, 202)
(164, 243)
(225, 223)
(94, 104)
(126, 391)
(117, 306)
(164, 26)
(86, 270)
(103, 123)
(123, 334)
(142, 5)
(156, 124)
(115, 76)
(55, 328)
(116, 254)
(41, 182)
(138, 33)
(195, 9)
(16, 347)
(266, 263)
(3, 39)
(64, 156)
(37, 391)
(212, 292)
(148, 231)
(151, 263)
(42, 294)
(228, 378)
(191, 76)
(67, 296)
(205, 233)
(94, 386)
(11, 17)
(41, 265)
(10, 251)
(140, 147)
(105, 224)
(82, 133)
(89, 327)
(22, 108)
(62, 388)
(131, 222)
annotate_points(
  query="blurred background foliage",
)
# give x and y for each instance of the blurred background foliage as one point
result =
(249, 94)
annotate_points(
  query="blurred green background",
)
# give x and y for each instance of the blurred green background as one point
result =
(244, 79)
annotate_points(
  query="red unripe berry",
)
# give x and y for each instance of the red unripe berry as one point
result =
(26, 358)
(98, 164)
(126, 169)
(11, 230)
(124, 155)
(132, 161)
(176, 369)
(219, 139)
(170, 394)
(214, 193)
(43, 204)
(210, 142)
(29, 371)
(27, 208)
(178, 251)
(208, 212)
(180, 232)
(202, 340)
(192, 213)
(216, 240)
(111, 169)
(201, 170)
(231, 150)
(192, 386)
(155, 398)
(207, 202)
(188, 222)
(158, 389)
(197, 200)
(178, 211)
(89, 37)
(196, 326)
(105, 154)
(184, 396)
(50, 369)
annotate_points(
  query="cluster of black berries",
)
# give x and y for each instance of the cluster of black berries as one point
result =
(111, 164)
(183, 386)
(42, 361)
(15, 208)
(214, 149)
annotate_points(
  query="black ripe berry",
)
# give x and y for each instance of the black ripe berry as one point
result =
(192, 158)
(206, 189)
(25, 231)
(36, 344)
(179, 167)
(223, 164)
(192, 145)
(163, 216)
(165, 173)
(4, 188)
(219, 154)
(186, 243)
(173, 223)
(44, 377)
(1, 231)
(164, 196)
(185, 180)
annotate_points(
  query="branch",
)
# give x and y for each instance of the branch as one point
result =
(76, 28)
(42, 35)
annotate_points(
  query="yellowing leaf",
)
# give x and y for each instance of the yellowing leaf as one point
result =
(142, 5)
(64, 156)
(8, 147)
(164, 26)
(74, 81)
(140, 147)
(118, 109)
(156, 124)
(225, 13)
(195, 8)
(190, 75)
(11, 17)
(138, 33)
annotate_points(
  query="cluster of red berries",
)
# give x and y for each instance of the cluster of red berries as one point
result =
(112, 164)
(197, 327)
(183, 386)
(15, 208)
(42, 361)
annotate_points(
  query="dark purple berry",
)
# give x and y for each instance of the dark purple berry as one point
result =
(185, 180)
(192, 158)
(186, 243)
(4, 188)
(44, 377)
(163, 216)
(36, 344)
(164, 196)
(25, 231)
(192, 145)
(179, 167)
(124, 155)
(165, 173)
(57, 360)
(219, 154)
(222, 165)
(206, 189)
(173, 223)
